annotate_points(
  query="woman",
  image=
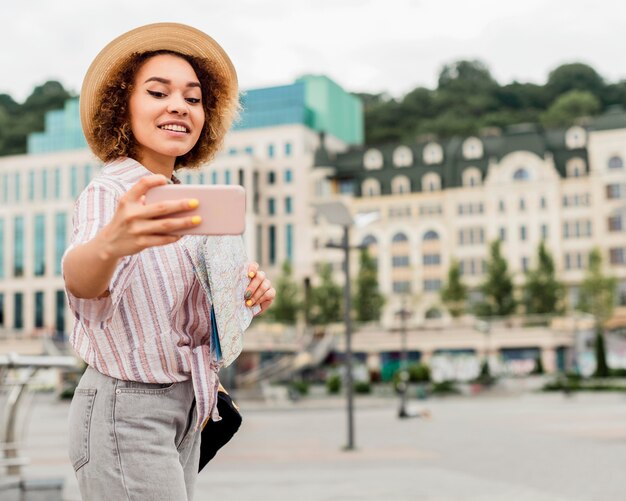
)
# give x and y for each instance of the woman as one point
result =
(157, 315)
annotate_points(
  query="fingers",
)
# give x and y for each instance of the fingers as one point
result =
(169, 207)
(252, 291)
(146, 227)
(267, 300)
(141, 187)
(253, 268)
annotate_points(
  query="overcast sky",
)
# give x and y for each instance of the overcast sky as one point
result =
(364, 45)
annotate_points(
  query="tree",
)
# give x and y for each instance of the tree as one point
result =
(368, 301)
(574, 76)
(454, 294)
(597, 296)
(325, 303)
(570, 106)
(287, 303)
(497, 289)
(543, 292)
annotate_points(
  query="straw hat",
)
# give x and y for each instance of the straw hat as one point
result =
(152, 37)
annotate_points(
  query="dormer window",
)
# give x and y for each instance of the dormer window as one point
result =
(373, 159)
(402, 156)
(472, 148)
(433, 154)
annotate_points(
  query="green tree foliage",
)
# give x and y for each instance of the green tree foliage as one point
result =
(454, 294)
(17, 121)
(570, 106)
(326, 299)
(574, 76)
(543, 293)
(368, 301)
(498, 299)
(287, 304)
(597, 296)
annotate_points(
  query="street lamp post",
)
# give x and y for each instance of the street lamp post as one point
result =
(337, 213)
(403, 314)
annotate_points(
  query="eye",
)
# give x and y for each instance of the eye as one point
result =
(193, 100)
(156, 94)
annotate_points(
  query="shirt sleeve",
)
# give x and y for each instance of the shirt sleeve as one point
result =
(92, 211)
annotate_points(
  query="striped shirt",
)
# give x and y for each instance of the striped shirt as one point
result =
(154, 326)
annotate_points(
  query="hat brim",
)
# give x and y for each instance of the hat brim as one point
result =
(152, 37)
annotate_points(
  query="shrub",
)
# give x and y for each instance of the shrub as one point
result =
(300, 386)
(445, 388)
(333, 384)
(362, 387)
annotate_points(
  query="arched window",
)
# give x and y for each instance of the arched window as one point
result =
(400, 184)
(370, 188)
(471, 177)
(616, 162)
(575, 167)
(430, 235)
(369, 240)
(472, 148)
(402, 156)
(431, 182)
(521, 174)
(433, 154)
(399, 237)
(373, 159)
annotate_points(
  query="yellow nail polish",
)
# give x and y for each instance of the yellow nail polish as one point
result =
(193, 203)
(249, 302)
(251, 274)
(196, 219)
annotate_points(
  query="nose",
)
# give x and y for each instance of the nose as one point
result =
(177, 104)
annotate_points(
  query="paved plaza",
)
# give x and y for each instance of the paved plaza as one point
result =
(531, 447)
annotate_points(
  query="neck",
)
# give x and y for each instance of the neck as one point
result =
(158, 164)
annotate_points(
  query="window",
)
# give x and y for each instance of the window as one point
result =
(502, 233)
(60, 231)
(249, 150)
(39, 313)
(214, 177)
(287, 149)
(399, 237)
(227, 177)
(433, 154)
(370, 188)
(18, 310)
(202, 178)
(401, 287)
(544, 231)
(522, 204)
(399, 261)
(615, 191)
(271, 234)
(400, 184)
(18, 246)
(31, 185)
(616, 162)
(44, 184)
(471, 177)
(431, 182)
(270, 150)
(575, 167)
(402, 156)
(432, 259)
(232, 151)
(188, 178)
(431, 285)
(522, 232)
(17, 189)
(373, 159)
(289, 241)
(346, 186)
(524, 264)
(542, 202)
(57, 183)
(40, 245)
(430, 235)
(271, 206)
(521, 174)
(472, 148)
(615, 223)
(288, 176)
(575, 137)
(501, 207)
(288, 206)
(240, 177)
(617, 255)
(59, 320)
(271, 177)
(369, 240)
(74, 181)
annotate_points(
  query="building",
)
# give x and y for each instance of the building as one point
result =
(444, 200)
(270, 151)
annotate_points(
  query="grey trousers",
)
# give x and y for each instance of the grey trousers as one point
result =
(133, 441)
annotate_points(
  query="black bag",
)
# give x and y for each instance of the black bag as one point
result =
(216, 434)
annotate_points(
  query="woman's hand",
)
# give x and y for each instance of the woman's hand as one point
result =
(136, 226)
(259, 290)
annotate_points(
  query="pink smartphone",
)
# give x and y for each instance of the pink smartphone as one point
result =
(222, 207)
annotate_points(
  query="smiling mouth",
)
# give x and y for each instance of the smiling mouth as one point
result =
(174, 128)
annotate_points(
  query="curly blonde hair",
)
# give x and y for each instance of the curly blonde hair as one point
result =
(112, 134)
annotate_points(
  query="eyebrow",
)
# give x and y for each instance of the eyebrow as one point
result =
(168, 82)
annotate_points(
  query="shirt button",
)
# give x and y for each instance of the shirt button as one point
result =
(118, 391)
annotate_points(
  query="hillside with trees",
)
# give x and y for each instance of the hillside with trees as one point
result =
(467, 100)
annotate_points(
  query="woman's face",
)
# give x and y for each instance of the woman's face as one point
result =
(166, 112)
